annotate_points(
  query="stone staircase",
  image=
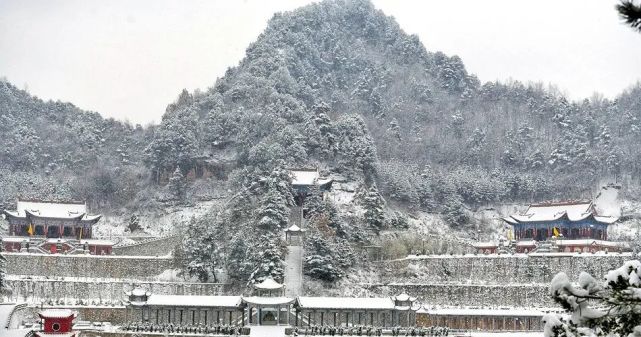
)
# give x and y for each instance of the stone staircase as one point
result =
(294, 258)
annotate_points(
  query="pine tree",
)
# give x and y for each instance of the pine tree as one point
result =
(203, 253)
(374, 204)
(177, 185)
(268, 260)
(630, 13)
(273, 211)
(238, 265)
(597, 308)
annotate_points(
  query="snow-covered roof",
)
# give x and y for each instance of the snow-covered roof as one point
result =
(195, 301)
(15, 239)
(589, 242)
(268, 284)
(46, 209)
(552, 211)
(484, 312)
(485, 245)
(573, 210)
(139, 292)
(304, 177)
(293, 228)
(345, 303)
(268, 300)
(526, 243)
(56, 313)
(404, 297)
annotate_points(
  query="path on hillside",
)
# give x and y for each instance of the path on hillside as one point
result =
(294, 258)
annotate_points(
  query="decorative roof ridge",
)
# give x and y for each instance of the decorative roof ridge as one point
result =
(69, 202)
(561, 203)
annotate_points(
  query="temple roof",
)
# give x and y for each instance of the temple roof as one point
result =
(50, 209)
(268, 300)
(56, 313)
(345, 303)
(404, 297)
(268, 284)
(307, 178)
(293, 228)
(572, 210)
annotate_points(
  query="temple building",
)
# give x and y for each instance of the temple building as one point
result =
(56, 323)
(303, 181)
(568, 220)
(53, 227)
(51, 219)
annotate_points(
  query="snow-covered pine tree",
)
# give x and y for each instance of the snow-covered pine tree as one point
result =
(202, 252)
(596, 308)
(177, 185)
(238, 265)
(273, 211)
(374, 205)
(268, 260)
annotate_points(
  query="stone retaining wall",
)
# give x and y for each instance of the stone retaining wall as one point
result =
(98, 290)
(500, 270)
(150, 247)
(59, 265)
(520, 295)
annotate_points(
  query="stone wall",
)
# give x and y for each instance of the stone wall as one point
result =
(500, 269)
(489, 280)
(151, 247)
(59, 265)
(519, 295)
(97, 291)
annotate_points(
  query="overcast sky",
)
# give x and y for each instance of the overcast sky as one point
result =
(129, 59)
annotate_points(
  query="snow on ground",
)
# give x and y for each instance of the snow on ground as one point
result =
(342, 193)
(160, 223)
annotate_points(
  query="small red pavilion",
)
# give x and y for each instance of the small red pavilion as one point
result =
(57, 322)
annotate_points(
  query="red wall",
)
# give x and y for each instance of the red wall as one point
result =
(65, 325)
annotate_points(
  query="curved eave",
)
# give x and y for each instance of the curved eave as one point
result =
(511, 220)
(580, 217)
(606, 219)
(91, 218)
(12, 214)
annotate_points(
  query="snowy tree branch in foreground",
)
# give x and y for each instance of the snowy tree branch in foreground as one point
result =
(612, 307)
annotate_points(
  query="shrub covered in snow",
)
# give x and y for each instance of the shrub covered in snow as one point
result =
(611, 307)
